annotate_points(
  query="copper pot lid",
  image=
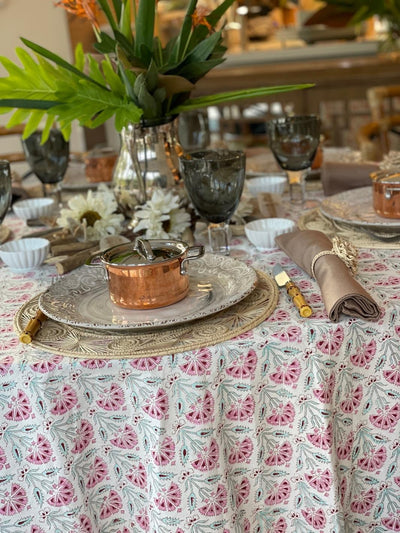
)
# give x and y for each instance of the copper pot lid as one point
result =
(144, 252)
(386, 177)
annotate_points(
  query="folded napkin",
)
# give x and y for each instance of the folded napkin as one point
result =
(341, 293)
(339, 176)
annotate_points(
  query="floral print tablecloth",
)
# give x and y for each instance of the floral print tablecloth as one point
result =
(291, 427)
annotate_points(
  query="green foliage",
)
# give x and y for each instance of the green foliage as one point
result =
(138, 79)
(362, 9)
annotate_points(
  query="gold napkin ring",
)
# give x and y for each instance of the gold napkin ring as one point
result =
(344, 250)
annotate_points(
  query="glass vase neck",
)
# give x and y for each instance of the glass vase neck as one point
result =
(148, 159)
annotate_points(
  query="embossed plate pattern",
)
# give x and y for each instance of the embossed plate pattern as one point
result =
(82, 299)
(355, 207)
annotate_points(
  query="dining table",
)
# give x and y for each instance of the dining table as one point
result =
(262, 421)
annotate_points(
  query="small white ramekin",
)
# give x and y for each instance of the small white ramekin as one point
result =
(24, 254)
(261, 233)
(271, 183)
(33, 208)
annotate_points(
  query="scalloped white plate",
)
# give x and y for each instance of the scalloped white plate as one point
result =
(82, 298)
(355, 207)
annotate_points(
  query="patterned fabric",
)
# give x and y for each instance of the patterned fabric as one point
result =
(291, 427)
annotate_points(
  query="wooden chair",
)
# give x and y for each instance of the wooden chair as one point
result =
(374, 137)
(381, 100)
(384, 103)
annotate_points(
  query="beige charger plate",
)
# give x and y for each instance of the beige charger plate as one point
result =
(71, 341)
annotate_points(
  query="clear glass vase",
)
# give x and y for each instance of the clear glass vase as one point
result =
(148, 158)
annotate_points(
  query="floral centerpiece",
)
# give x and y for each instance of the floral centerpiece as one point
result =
(137, 80)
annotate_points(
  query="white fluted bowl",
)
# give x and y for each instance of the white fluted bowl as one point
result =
(262, 232)
(271, 183)
(24, 254)
(33, 208)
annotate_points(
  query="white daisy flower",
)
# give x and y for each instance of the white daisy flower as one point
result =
(161, 217)
(93, 216)
(179, 220)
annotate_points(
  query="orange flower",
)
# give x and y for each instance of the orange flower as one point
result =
(82, 8)
(199, 17)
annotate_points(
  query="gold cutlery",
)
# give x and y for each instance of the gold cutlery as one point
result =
(32, 327)
(283, 280)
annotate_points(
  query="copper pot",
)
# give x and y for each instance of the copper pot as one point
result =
(148, 274)
(386, 193)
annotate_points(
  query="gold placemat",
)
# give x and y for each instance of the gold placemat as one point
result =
(71, 341)
(315, 220)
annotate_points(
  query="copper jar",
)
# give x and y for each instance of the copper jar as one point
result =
(99, 165)
(386, 193)
(148, 274)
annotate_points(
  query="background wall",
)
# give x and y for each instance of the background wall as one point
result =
(43, 23)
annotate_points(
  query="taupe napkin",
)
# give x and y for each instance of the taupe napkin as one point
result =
(338, 176)
(341, 293)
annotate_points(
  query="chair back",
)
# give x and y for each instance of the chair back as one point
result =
(374, 137)
(383, 101)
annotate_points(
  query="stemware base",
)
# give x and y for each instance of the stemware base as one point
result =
(218, 237)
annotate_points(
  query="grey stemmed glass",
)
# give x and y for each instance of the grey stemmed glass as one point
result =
(294, 141)
(214, 181)
(48, 160)
(5, 188)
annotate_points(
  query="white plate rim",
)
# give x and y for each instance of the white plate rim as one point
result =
(226, 265)
(353, 196)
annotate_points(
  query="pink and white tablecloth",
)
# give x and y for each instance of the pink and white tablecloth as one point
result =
(292, 427)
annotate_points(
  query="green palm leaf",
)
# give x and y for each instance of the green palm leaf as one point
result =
(144, 26)
(220, 98)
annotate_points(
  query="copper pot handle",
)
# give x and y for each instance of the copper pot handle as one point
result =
(89, 261)
(389, 191)
(194, 252)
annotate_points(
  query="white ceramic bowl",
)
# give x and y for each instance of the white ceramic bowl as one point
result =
(24, 254)
(33, 208)
(262, 232)
(272, 183)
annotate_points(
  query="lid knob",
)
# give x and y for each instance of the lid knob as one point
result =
(144, 249)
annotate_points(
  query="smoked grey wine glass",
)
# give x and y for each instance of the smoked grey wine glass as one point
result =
(294, 141)
(5, 188)
(48, 160)
(214, 181)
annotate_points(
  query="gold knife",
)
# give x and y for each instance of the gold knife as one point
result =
(283, 280)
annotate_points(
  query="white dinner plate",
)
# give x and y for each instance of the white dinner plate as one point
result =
(355, 207)
(82, 298)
